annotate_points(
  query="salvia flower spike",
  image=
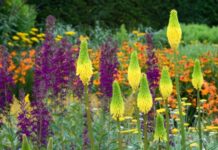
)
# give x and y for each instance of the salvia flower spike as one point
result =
(117, 104)
(144, 99)
(197, 76)
(174, 32)
(84, 65)
(166, 86)
(160, 131)
(25, 143)
(134, 71)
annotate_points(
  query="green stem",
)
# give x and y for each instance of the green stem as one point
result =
(119, 135)
(183, 143)
(89, 119)
(138, 122)
(167, 123)
(159, 147)
(137, 116)
(199, 120)
(145, 132)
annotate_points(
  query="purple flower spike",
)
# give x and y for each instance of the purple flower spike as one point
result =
(108, 66)
(6, 81)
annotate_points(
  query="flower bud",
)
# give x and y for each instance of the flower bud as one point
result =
(197, 76)
(134, 71)
(144, 99)
(84, 64)
(160, 132)
(174, 32)
(165, 86)
(25, 143)
(117, 104)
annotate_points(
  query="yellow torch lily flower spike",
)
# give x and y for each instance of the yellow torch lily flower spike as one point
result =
(117, 104)
(134, 71)
(197, 76)
(144, 99)
(84, 65)
(160, 132)
(25, 143)
(174, 32)
(165, 86)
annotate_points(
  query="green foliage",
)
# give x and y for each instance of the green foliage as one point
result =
(113, 13)
(191, 34)
(50, 144)
(122, 34)
(8, 135)
(16, 15)
(68, 127)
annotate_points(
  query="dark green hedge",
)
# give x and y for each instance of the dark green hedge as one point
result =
(113, 13)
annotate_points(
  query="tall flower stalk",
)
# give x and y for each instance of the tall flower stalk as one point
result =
(144, 103)
(153, 75)
(85, 71)
(166, 88)
(117, 109)
(174, 35)
(134, 77)
(108, 67)
(197, 82)
(6, 81)
(160, 133)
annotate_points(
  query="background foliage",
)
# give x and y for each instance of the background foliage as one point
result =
(113, 13)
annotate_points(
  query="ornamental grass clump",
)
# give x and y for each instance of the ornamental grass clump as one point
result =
(144, 103)
(197, 82)
(166, 88)
(117, 109)
(85, 71)
(174, 35)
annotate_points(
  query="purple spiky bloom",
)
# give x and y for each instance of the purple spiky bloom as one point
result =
(6, 81)
(54, 64)
(24, 119)
(153, 75)
(40, 123)
(153, 72)
(43, 72)
(108, 66)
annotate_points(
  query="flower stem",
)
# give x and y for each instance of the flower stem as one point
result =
(183, 143)
(145, 132)
(89, 119)
(138, 122)
(199, 120)
(137, 117)
(119, 135)
(167, 124)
